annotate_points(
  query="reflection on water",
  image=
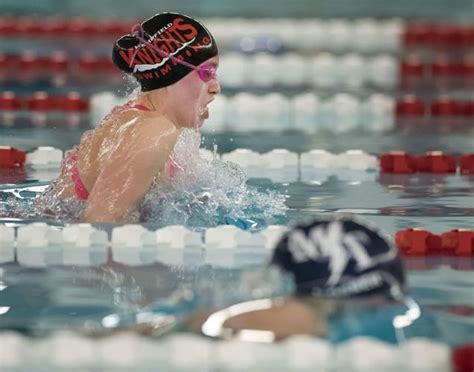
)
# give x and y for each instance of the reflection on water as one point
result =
(64, 297)
(391, 206)
(56, 297)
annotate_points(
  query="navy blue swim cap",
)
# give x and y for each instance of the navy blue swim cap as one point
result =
(339, 257)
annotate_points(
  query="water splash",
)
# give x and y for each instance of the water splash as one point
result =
(203, 193)
(32, 203)
(207, 193)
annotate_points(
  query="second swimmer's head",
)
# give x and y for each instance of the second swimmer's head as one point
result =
(341, 257)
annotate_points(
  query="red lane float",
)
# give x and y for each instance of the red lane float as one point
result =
(459, 242)
(10, 102)
(410, 106)
(436, 162)
(416, 242)
(463, 358)
(420, 242)
(55, 62)
(399, 162)
(446, 106)
(11, 157)
(59, 27)
(444, 113)
(41, 101)
(41, 109)
(440, 72)
(438, 35)
(466, 164)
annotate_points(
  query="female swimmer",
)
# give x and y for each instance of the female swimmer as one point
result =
(174, 59)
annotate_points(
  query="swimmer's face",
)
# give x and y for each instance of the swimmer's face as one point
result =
(193, 93)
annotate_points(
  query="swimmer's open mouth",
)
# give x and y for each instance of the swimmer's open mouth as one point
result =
(205, 111)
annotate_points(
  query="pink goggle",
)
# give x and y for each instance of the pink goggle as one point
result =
(206, 72)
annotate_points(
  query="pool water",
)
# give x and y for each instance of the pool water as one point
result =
(53, 314)
(38, 301)
(436, 202)
(44, 299)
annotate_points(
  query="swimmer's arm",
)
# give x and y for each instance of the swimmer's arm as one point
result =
(290, 318)
(129, 173)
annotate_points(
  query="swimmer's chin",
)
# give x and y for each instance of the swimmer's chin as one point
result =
(203, 115)
(200, 123)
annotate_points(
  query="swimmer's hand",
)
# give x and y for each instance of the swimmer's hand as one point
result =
(128, 174)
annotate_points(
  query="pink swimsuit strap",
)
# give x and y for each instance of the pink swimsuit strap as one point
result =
(133, 105)
(139, 106)
(81, 190)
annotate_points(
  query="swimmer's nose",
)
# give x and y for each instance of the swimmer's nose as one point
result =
(215, 87)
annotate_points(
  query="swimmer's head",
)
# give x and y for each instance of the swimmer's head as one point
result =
(164, 49)
(341, 258)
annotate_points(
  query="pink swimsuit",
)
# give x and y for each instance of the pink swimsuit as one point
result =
(72, 158)
(81, 190)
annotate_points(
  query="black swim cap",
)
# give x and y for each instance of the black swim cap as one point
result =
(339, 257)
(176, 36)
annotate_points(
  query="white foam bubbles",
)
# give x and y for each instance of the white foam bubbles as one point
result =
(208, 193)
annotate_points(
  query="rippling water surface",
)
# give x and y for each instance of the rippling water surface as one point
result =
(48, 298)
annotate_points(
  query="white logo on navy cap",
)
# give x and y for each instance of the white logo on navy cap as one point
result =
(331, 243)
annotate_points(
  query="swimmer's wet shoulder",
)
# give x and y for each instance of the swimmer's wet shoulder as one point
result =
(131, 169)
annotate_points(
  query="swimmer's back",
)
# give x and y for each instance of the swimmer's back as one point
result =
(113, 134)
